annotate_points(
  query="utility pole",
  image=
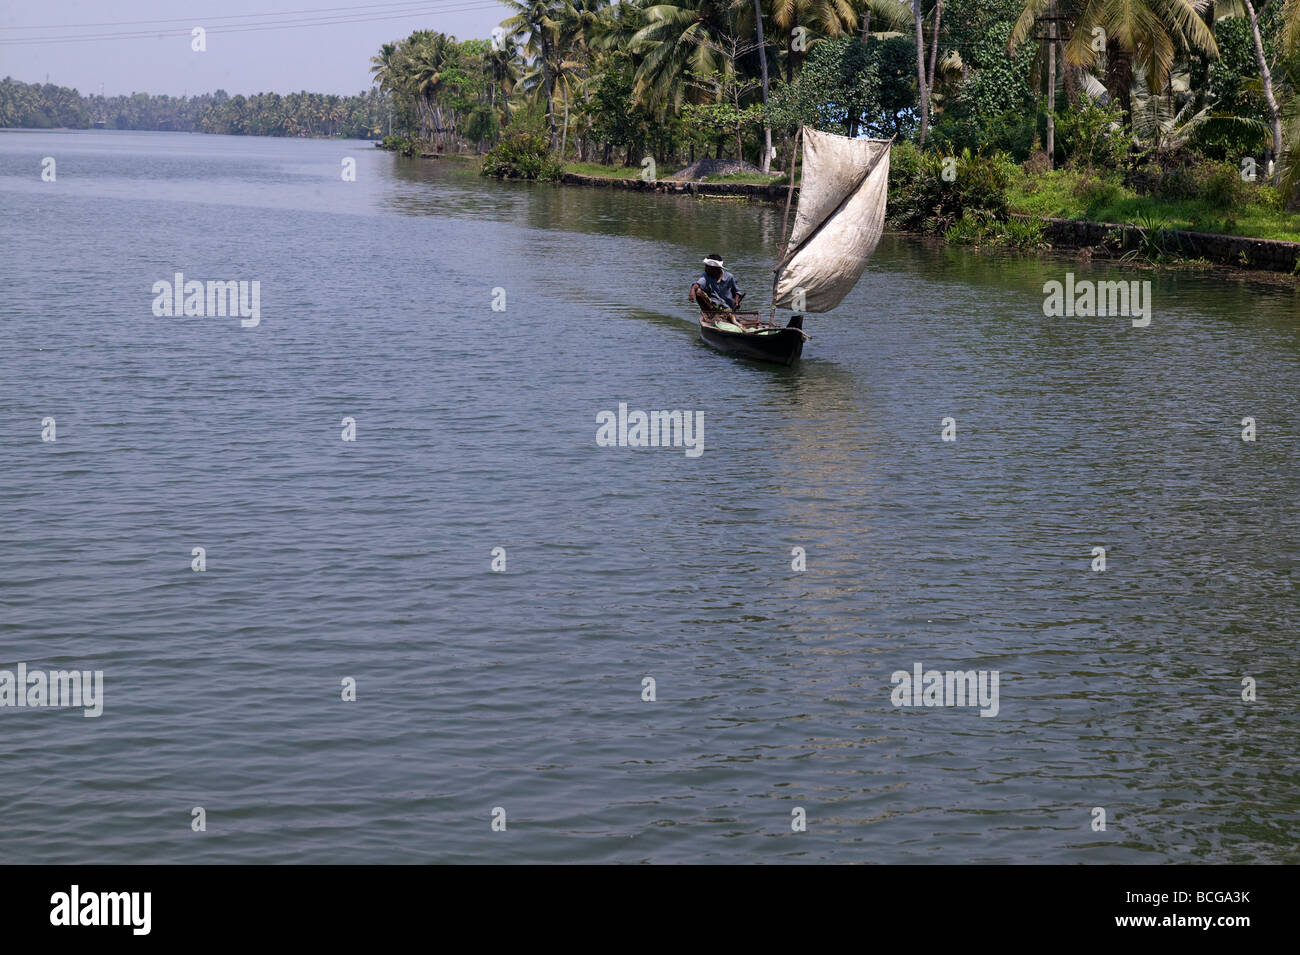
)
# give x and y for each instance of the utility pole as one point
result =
(1051, 85)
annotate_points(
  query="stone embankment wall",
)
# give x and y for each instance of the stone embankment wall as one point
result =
(683, 187)
(1269, 255)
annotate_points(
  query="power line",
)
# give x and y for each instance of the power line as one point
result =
(422, 9)
(373, 7)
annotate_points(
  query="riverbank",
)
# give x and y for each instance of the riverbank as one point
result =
(1154, 244)
(1163, 244)
(745, 190)
(1149, 232)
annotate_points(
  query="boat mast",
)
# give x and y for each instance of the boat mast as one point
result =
(785, 221)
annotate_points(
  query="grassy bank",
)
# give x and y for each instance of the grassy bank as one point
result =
(1220, 201)
(1239, 208)
(977, 198)
(602, 171)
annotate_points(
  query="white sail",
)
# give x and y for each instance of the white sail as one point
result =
(839, 220)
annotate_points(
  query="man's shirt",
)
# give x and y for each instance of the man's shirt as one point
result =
(723, 290)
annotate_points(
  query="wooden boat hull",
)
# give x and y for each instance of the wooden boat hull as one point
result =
(771, 343)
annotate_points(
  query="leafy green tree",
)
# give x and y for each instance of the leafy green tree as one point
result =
(616, 117)
(725, 114)
(851, 87)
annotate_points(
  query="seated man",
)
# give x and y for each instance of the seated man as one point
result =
(715, 290)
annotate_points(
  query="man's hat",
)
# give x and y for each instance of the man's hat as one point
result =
(714, 260)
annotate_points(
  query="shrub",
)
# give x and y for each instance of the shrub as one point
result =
(1011, 132)
(1270, 197)
(1096, 192)
(1151, 240)
(921, 198)
(1186, 176)
(1176, 182)
(523, 154)
(1026, 234)
(978, 227)
(1169, 176)
(1221, 186)
(1092, 137)
(408, 146)
(974, 228)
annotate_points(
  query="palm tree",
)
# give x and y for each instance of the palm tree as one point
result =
(934, 43)
(427, 56)
(892, 15)
(578, 23)
(829, 18)
(1139, 34)
(679, 38)
(1286, 172)
(538, 21)
(383, 67)
(1169, 119)
(502, 73)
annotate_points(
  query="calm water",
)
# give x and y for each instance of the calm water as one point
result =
(475, 429)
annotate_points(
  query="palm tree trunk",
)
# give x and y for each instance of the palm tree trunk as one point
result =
(546, 82)
(922, 90)
(1070, 79)
(1051, 85)
(564, 139)
(1267, 76)
(766, 164)
(1119, 81)
(934, 42)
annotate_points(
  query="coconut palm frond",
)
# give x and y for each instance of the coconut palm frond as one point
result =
(1093, 88)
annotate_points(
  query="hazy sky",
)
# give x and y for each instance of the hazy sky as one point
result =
(244, 54)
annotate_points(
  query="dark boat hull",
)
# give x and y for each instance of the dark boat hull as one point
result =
(782, 346)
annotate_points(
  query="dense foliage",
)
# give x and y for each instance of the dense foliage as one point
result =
(851, 87)
(30, 105)
(522, 154)
(928, 192)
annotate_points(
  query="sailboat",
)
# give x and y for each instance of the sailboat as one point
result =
(837, 226)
